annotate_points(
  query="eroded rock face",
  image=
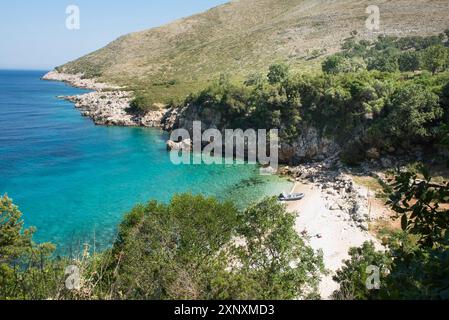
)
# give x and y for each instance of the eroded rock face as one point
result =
(105, 108)
(153, 119)
(111, 108)
(169, 121)
(183, 118)
(310, 145)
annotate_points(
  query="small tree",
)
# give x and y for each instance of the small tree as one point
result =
(435, 58)
(278, 73)
(409, 61)
(332, 64)
(199, 248)
(26, 270)
(413, 109)
(339, 64)
(386, 61)
(139, 105)
(14, 240)
(275, 260)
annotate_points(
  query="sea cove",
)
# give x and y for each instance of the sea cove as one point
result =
(74, 180)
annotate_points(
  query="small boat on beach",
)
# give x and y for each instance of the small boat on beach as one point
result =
(291, 196)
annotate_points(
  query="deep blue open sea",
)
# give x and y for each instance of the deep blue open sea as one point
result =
(74, 181)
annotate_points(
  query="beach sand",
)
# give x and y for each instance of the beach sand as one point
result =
(333, 232)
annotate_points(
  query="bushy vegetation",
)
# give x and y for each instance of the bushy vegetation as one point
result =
(416, 263)
(362, 100)
(141, 104)
(392, 54)
(199, 248)
(26, 270)
(192, 248)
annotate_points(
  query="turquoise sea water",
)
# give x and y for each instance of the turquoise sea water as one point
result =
(74, 180)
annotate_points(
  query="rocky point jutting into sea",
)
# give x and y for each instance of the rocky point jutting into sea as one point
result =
(107, 104)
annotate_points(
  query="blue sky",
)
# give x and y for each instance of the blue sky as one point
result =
(34, 34)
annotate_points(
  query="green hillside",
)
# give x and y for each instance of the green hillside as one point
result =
(242, 37)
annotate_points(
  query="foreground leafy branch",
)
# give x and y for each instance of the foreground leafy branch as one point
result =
(416, 263)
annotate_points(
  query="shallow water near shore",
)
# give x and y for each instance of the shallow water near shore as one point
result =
(74, 181)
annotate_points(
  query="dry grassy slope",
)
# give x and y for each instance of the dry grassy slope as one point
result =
(247, 35)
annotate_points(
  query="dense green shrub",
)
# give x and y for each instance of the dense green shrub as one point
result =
(353, 276)
(141, 105)
(412, 112)
(388, 54)
(26, 270)
(333, 64)
(277, 73)
(339, 64)
(409, 61)
(435, 58)
(385, 61)
(198, 248)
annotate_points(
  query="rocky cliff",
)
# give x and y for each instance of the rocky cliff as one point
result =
(309, 145)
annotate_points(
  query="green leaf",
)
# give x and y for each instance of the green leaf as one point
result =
(404, 222)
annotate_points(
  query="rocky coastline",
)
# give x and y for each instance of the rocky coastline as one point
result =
(107, 104)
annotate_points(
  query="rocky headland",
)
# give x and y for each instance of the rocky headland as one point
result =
(107, 104)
